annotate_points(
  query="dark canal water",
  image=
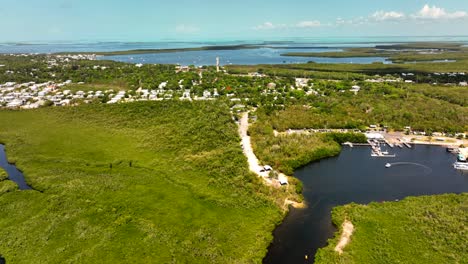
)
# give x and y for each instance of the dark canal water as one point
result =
(355, 176)
(13, 173)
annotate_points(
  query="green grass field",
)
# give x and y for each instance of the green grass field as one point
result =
(132, 183)
(428, 229)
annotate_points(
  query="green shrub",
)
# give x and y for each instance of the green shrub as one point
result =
(186, 198)
(7, 186)
(433, 227)
(3, 174)
(299, 187)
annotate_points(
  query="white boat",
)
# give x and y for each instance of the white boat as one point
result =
(380, 155)
(461, 158)
(388, 165)
(461, 166)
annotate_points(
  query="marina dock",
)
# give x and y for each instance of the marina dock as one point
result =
(407, 145)
(379, 142)
(377, 150)
(388, 143)
(351, 145)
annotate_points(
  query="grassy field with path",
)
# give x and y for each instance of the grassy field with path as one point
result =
(143, 182)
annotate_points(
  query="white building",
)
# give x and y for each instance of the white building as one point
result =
(186, 95)
(371, 135)
(15, 103)
(162, 85)
(301, 82)
(355, 89)
(206, 94)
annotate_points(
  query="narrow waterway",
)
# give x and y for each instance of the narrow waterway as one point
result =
(13, 173)
(355, 176)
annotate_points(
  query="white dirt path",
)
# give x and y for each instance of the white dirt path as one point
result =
(348, 229)
(254, 165)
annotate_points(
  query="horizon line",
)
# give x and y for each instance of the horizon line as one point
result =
(208, 40)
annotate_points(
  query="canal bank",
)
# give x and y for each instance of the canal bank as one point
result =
(14, 174)
(355, 176)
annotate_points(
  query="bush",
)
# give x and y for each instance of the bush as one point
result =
(299, 187)
(7, 186)
(3, 174)
(341, 138)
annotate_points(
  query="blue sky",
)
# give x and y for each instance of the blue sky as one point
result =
(146, 20)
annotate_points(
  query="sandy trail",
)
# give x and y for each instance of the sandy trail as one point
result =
(348, 230)
(294, 204)
(254, 165)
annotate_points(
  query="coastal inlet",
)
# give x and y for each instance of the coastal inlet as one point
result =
(355, 176)
(14, 174)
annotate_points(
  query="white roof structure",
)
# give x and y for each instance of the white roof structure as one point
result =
(283, 180)
(374, 136)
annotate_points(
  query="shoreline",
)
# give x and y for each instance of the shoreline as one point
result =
(347, 228)
(427, 140)
(340, 240)
(156, 51)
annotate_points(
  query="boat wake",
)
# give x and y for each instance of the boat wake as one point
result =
(429, 170)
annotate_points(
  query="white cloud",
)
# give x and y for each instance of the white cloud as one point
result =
(309, 24)
(340, 21)
(350, 22)
(188, 29)
(434, 12)
(269, 26)
(387, 16)
(266, 25)
(426, 14)
(300, 25)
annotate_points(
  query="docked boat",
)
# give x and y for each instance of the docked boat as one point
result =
(380, 155)
(377, 152)
(453, 150)
(388, 165)
(461, 166)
